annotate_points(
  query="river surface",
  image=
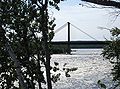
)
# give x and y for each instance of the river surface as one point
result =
(90, 65)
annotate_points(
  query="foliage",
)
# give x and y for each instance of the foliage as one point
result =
(112, 52)
(109, 3)
(101, 85)
(57, 71)
(26, 31)
(59, 49)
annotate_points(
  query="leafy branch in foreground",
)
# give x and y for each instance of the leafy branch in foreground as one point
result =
(111, 3)
(57, 71)
(112, 52)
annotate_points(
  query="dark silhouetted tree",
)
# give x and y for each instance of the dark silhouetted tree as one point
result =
(112, 52)
(25, 34)
(115, 4)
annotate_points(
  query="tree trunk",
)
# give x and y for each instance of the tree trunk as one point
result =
(47, 55)
(39, 71)
(17, 66)
(44, 21)
(47, 65)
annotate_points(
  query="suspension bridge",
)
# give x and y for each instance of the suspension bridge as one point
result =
(77, 44)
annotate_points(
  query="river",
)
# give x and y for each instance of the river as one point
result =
(90, 65)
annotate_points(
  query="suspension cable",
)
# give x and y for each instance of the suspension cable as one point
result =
(60, 28)
(84, 32)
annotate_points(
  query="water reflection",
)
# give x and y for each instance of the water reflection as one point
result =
(91, 68)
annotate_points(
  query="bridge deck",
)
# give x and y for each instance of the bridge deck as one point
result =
(82, 44)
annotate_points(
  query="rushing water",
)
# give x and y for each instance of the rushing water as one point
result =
(91, 68)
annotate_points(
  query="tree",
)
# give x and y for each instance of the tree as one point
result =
(112, 52)
(22, 22)
(115, 4)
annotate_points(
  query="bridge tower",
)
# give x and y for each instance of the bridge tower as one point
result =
(69, 49)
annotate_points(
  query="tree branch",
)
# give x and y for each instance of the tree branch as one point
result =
(105, 3)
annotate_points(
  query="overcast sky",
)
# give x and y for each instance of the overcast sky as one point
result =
(87, 19)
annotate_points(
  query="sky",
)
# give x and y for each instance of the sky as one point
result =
(85, 18)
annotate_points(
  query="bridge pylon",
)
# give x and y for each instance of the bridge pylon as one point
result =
(69, 48)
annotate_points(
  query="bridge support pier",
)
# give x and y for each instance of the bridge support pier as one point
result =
(69, 49)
